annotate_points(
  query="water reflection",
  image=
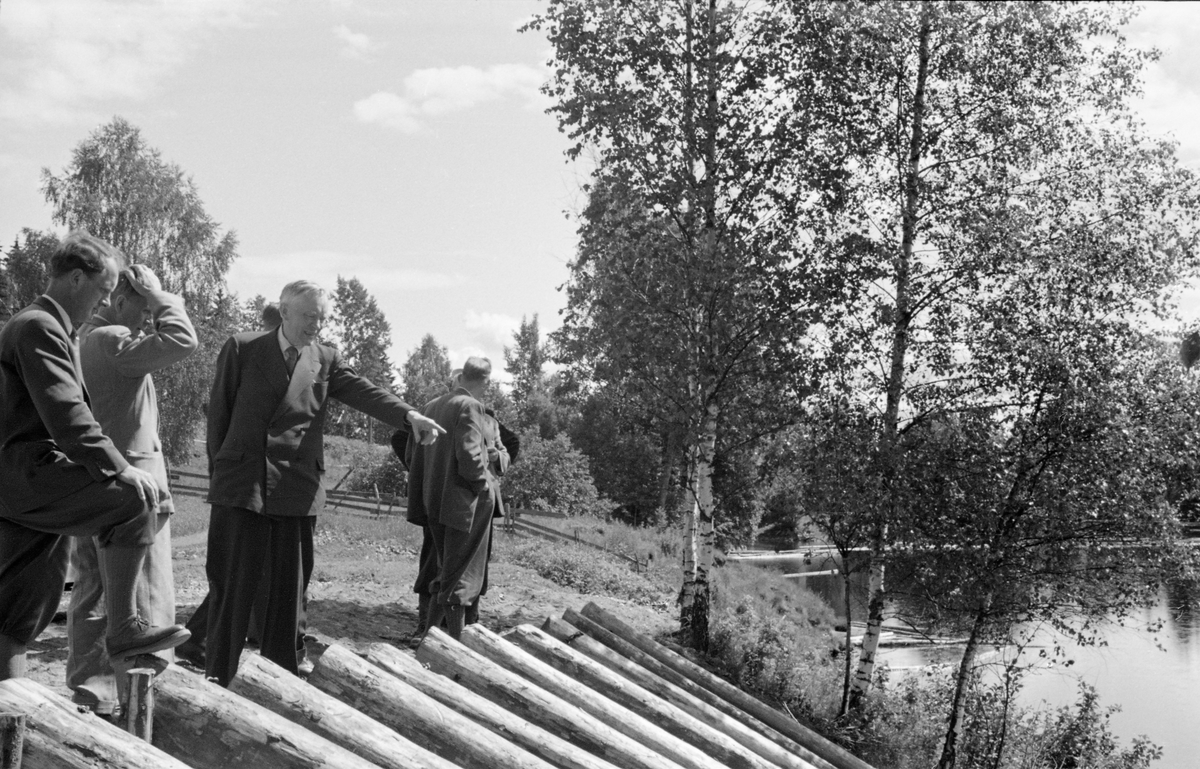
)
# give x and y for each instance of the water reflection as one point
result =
(1150, 665)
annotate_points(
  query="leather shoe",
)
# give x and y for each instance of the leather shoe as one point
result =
(143, 638)
(191, 652)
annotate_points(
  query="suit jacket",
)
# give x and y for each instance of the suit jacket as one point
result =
(117, 367)
(47, 430)
(455, 478)
(266, 443)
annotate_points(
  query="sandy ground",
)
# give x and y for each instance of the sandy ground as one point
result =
(361, 594)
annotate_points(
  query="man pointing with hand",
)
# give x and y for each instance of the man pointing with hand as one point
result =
(266, 421)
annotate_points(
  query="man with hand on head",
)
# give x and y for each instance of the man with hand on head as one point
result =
(142, 330)
(266, 420)
(60, 475)
(453, 489)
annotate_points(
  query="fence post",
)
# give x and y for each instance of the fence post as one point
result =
(12, 739)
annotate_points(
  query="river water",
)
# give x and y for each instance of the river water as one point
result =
(1153, 676)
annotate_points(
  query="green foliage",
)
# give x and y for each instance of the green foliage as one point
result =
(624, 455)
(120, 189)
(552, 475)
(773, 638)
(426, 373)
(900, 728)
(379, 471)
(362, 335)
(525, 360)
(27, 269)
(589, 571)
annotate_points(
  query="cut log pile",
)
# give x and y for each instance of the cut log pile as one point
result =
(581, 692)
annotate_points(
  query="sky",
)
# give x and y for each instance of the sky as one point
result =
(402, 142)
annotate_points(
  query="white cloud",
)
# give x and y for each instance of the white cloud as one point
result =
(355, 45)
(61, 58)
(1171, 105)
(267, 274)
(432, 92)
(491, 331)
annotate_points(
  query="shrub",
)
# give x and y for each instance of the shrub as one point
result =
(359, 466)
(588, 571)
(551, 475)
(773, 638)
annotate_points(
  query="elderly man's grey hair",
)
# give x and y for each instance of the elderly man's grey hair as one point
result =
(300, 288)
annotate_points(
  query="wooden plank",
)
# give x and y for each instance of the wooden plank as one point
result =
(533, 738)
(637, 666)
(802, 735)
(207, 726)
(57, 735)
(450, 658)
(415, 715)
(615, 715)
(267, 684)
(582, 668)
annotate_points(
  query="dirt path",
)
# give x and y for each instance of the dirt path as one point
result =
(361, 595)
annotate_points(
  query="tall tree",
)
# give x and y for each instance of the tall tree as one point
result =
(363, 335)
(426, 372)
(692, 276)
(1004, 158)
(526, 359)
(27, 268)
(119, 188)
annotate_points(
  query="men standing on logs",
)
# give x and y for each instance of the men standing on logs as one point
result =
(453, 491)
(144, 329)
(266, 464)
(60, 475)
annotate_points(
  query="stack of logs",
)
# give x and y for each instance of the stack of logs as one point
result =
(582, 692)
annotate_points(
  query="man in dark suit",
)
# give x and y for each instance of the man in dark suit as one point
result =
(60, 475)
(453, 490)
(266, 464)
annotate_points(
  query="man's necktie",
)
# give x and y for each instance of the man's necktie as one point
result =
(290, 356)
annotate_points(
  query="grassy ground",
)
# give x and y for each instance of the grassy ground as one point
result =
(361, 590)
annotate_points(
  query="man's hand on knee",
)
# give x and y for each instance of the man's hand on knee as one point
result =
(142, 482)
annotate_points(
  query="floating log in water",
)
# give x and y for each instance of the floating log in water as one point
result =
(533, 738)
(265, 683)
(420, 718)
(617, 716)
(810, 740)
(207, 726)
(637, 666)
(450, 658)
(580, 667)
(58, 736)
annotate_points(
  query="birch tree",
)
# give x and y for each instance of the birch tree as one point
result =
(692, 277)
(1021, 233)
(119, 188)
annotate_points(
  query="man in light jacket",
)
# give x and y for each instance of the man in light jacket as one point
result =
(144, 329)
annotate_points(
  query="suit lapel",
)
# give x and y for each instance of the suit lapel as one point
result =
(307, 367)
(72, 344)
(269, 359)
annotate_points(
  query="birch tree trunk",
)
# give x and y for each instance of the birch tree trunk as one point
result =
(961, 683)
(910, 170)
(702, 594)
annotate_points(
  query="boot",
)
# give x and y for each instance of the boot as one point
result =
(437, 613)
(12, 658)
(455, 617)
(423, 602)
(472, 615)
(128, 634)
